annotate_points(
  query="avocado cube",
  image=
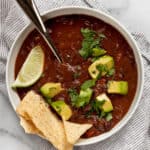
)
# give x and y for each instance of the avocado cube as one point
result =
(107, 106)
(106, 62)
(62, 109)
(49, 90)
(117, 87)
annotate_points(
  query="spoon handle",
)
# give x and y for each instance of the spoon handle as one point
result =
(32, 12)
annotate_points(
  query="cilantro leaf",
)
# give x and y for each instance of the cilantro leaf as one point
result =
(87, 84)
(73, 95)
(95, 43)
(83, 53)
(86, 49)
(110, 72)
(96, 107)
(104, 69)
(103, 114)
(87, 32)
(82, 99)
(91, 40)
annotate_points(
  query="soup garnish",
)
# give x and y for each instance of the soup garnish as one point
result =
(31, 70)
(91, 43)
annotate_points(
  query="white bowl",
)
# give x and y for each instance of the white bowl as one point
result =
(14, 98)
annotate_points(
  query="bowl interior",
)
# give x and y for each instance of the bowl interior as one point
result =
(14, 98)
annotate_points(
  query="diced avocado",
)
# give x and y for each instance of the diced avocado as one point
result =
(109, 116)
(107, 106)
(84, 97)
(106, 62)
(49, 90)
(62, 109)
(117, 87)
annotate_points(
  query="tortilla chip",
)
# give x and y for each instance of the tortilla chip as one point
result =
(29, 127)
(75, 130)
(40, 120)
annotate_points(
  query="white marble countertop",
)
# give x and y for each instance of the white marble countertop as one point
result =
(134, 14)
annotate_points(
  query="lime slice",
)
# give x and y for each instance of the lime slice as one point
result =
(32, 68)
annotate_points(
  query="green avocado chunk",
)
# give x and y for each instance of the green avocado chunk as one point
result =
(117, 87)
(107, 106)
(101, 66)
(62, 109)
(49, 90)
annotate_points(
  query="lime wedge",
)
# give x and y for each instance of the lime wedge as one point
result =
(31, 70)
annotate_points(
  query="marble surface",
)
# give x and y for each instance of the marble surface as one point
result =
(134, 14)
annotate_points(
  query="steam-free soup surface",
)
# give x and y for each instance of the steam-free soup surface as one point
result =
(66, 35)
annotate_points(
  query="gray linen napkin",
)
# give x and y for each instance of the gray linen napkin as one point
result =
(134, 136)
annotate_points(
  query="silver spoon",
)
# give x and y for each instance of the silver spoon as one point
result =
(32, 12)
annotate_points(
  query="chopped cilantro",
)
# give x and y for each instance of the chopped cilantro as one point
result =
(87, 84)
(73, 95)
(82, 99)
(96, 108)
(103, 114)
(111, 72)
(91, 40)
(101, 69)
(87, 32)
(96, 105)
(104, 69)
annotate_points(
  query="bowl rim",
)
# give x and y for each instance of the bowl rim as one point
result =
(129, 39)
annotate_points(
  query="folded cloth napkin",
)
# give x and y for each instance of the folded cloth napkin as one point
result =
(134, 136)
